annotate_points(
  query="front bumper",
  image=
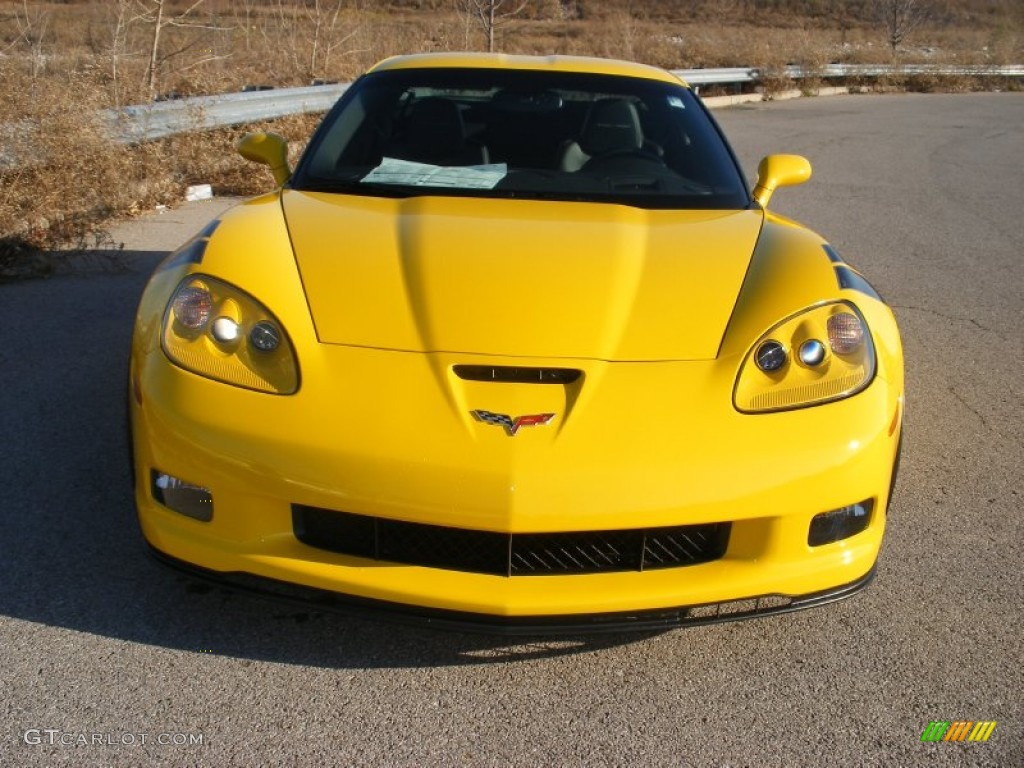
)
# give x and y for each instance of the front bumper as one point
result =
(597, 623)
(636, 445)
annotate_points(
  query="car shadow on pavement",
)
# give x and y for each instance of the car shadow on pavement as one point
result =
(70, 547)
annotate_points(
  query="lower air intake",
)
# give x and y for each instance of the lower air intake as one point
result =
(503, 554)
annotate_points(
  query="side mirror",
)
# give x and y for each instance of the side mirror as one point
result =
(267, 149)
(779, 171)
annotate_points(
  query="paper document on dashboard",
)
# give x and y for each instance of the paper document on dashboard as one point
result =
(405, 172)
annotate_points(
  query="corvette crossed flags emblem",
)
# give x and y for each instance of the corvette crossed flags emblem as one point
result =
(511, 424)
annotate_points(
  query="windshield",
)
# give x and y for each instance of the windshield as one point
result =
(524, 134)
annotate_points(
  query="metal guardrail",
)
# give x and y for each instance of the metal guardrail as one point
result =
(146, 122)
(882, 70)
(155, 121)
(723, 76)
(167, 118)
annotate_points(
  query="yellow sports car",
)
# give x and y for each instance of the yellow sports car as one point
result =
(515, 347)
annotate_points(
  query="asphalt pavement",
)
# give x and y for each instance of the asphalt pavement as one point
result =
(107, 658)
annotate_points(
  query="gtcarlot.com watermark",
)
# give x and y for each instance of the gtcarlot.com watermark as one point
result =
(57, 737)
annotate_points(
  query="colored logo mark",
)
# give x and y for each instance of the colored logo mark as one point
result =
(961, 730)
(512, 425)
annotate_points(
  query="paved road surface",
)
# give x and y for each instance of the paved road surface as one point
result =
(924, 193)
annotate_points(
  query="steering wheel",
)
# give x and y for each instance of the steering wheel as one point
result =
(624, 161)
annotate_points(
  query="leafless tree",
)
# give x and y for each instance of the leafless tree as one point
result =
(32, 23)
(122, 15)
(322, 19)
(153, 12)
(491, 14)
(839, 11)
(308, 34)
(900, 18)
(247, 6)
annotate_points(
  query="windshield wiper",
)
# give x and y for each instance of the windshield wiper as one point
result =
(356, 187)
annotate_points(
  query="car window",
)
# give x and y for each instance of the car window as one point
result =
(523, 133)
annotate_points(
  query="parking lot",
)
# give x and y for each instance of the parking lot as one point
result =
(110, 659)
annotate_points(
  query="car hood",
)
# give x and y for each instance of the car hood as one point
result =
(518, 277)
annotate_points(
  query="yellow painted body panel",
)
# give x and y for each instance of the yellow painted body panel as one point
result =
(587, 64)
(650, 439)
(520, 277)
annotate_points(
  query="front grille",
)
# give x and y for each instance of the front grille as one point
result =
(516, 375)
(504, 554)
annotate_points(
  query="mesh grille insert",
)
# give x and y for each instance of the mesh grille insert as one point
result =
(503, 554)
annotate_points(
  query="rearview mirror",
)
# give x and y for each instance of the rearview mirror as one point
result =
(267, 149)
(779, 171)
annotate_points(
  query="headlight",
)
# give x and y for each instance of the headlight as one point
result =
(218, 331)
(816, 356)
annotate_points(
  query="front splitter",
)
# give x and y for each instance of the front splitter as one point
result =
(520, 626)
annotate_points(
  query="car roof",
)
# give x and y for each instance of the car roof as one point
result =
(586, 64)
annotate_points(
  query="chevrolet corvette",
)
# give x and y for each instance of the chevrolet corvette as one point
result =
(515, 347)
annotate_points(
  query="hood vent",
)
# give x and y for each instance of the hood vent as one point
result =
(516, 375)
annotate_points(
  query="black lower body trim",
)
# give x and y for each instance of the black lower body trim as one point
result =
(582, 624)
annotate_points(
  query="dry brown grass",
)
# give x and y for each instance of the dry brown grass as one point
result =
(60, 62)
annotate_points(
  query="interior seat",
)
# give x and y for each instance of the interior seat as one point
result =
(611, 125)
(436, 134)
